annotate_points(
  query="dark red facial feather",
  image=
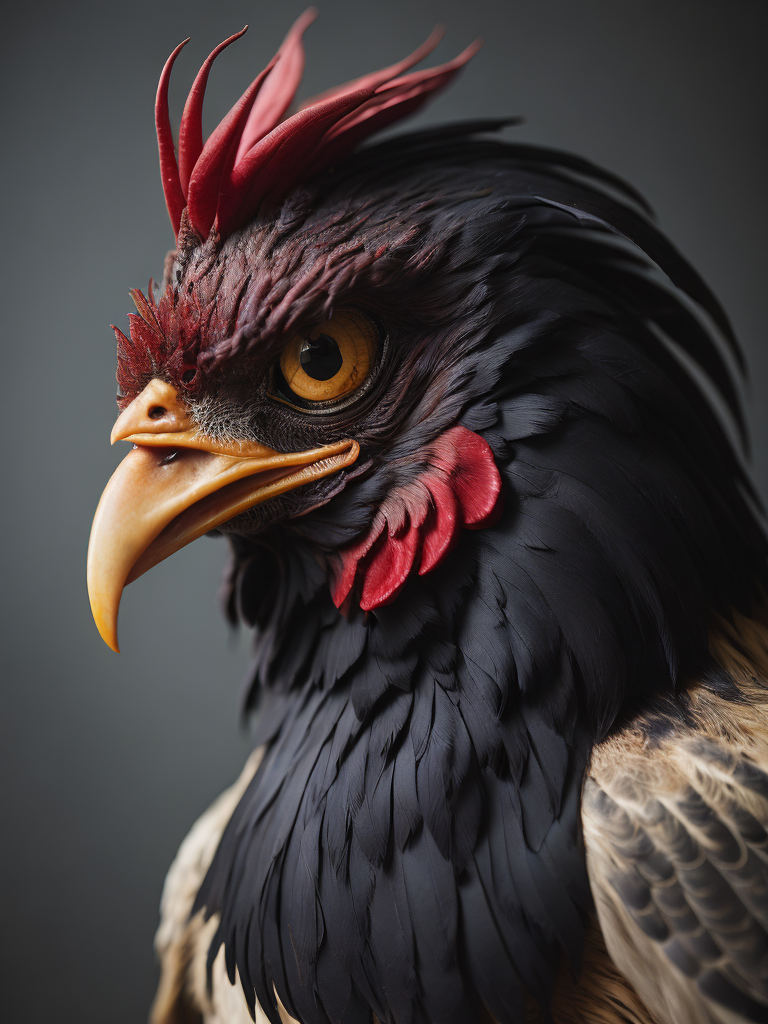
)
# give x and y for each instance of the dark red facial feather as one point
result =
(422, 520)
(252, 160)
(255, 159)
(241, 301)
(165, 337)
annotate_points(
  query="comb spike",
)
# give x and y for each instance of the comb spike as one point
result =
(253, 158)
(373, 80)
(217, 158)
(280, 88)
(391, 102)
(191, 128)
(144, 308)
(169, 171)
(272, 162)
(122, 340)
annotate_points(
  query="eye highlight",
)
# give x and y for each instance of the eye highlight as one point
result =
(329, 361)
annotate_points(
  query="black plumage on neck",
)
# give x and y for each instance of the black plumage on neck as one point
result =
(410, 844)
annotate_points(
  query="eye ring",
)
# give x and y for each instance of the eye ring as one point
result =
(339, 358)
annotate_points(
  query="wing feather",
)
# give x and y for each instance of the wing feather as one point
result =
(675, 812)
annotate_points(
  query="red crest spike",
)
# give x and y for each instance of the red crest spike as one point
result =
(280, 88)
(254, 157)
(191, 128)
(175, 198)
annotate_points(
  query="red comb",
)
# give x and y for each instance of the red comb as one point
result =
(254, 157)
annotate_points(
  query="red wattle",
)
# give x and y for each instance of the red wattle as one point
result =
(444, 527)
(420, 522)
(477, 482)
(388, 568)
(352, 557)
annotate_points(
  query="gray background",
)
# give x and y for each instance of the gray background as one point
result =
(108, 759)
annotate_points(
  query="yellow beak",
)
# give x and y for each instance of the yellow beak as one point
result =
(177, 484)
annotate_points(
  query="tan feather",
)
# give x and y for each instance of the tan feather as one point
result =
(650, 801)
(601, 995)
(182, 943)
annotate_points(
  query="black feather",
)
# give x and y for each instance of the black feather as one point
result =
(410, 845)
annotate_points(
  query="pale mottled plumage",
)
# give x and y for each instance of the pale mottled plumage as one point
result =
(674, 815)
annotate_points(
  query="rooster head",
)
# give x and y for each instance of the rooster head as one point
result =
(260, 370)
(361, 358)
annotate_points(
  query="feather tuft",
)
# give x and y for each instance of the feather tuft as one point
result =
(254, 158)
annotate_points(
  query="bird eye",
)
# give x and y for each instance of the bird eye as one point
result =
(332, 360)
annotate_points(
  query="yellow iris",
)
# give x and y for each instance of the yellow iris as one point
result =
(332, 359)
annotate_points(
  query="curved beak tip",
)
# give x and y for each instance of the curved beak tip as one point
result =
(106, 622)
(110, 638)
(111, 642)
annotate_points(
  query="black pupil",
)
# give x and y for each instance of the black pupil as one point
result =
(320, 357)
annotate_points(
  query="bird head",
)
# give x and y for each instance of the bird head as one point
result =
(395, 365)
(248, 388)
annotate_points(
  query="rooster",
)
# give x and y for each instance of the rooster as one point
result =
(471, 425)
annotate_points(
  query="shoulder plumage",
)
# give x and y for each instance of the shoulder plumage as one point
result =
(675, 819)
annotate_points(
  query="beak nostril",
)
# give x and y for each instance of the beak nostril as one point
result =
(156, 412)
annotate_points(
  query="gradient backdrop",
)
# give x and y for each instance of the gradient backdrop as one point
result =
(108, 759)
